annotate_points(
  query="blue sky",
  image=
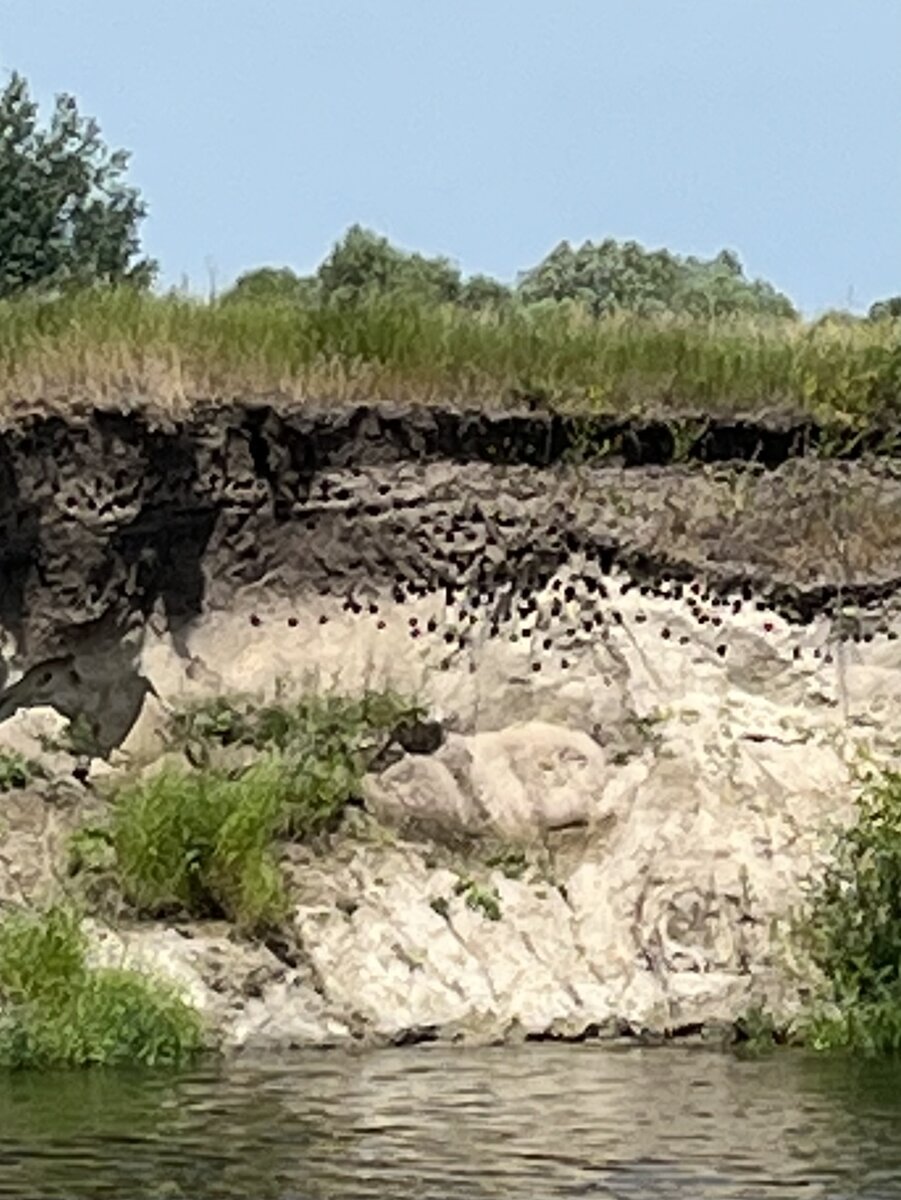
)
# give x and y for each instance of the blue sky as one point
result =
(488, 130)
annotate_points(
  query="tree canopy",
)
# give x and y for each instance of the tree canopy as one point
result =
(362, 265)
(603, 278)
(268, 285)
(66, 216)
(885, 310)
(613, 276)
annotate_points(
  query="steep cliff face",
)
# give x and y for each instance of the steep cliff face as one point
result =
(109, 524)
(652, 676)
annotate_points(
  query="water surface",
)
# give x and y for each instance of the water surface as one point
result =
(540, 1121)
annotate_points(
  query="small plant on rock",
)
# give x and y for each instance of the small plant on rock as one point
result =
(756, 1033)
(16, 771)
(510, 861)
(324, 727)
(485, 900)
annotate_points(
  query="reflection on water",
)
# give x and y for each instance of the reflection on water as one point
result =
(539, 1121)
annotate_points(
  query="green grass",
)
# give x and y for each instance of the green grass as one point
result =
(201, 841)
(119, 348)
(56, 1011)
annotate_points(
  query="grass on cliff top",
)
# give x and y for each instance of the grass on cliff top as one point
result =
(200, 841)
(56, 1011)
(120, 349)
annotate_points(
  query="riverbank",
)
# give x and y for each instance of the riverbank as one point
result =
(649, 684)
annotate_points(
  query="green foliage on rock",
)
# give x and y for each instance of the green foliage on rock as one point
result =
(57, 1011)
(615, 277)
(310, 727)
(480, 898)
(66, 216)
(201, 841)
(17, 771)
(852, 930)
(756, 1033)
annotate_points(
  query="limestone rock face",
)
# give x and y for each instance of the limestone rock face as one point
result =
(249, 998)
(519, 783)
(37, 817)
(654, 913)
(651, 682)
(537, 777)
(424, 789)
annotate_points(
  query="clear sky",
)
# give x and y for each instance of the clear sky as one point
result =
(488, 130)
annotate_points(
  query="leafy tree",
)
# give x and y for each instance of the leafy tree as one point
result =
(481, 292)
(885, 310)
(622, 276)
(268, 285)
(719, 288)
(836, 318)
(66, 218)
(364, 264)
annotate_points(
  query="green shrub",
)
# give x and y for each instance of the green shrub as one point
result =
(756, 1033)
(198, 841)
(852, 929)
(512, 862)
(313, 726)
(55, 1011)
(867, 1026)
(40, 959)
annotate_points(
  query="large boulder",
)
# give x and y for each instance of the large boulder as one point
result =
(520, 783)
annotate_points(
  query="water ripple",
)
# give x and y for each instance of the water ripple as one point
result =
(540, 1121)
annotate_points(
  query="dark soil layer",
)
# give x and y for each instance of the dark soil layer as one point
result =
(107, 520)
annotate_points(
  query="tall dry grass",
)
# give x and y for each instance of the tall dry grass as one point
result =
(124, 350)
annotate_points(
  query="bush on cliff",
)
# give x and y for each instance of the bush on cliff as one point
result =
(334, 730)
(853, 928)
(201, 841)
(56, 1011)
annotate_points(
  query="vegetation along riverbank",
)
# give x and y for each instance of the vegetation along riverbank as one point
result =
(391, 656)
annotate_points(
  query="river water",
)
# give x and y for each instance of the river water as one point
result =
(540, 1121)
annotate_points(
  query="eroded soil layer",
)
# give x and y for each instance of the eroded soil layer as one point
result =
(104, 521)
